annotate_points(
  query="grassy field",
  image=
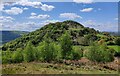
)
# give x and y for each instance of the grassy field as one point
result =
(50, 68)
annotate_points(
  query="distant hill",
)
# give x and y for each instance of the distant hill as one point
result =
(115, 33)
(80, 35)
(7, 36)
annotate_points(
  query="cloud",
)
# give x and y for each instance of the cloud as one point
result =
(107, 26)
(89, 23)
(86, 10)
(25, 8)
(28, 3)
(116, 19)
(50, 21)
(1, 6)
(14, 11)
(21, 26)
(83, 1)
(45, 7)
(34, 4)
(5, 19)
(40, 16)
(33, 14)
(70, 15)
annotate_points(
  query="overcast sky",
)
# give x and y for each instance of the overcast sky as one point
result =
(25, 15)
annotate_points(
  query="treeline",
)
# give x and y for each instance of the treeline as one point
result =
(49, 51)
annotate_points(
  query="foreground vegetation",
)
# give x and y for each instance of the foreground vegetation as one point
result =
(48, 51)
(58, 43)
(54, 68)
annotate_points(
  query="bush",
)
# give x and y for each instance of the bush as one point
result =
(29, 53)
(77, 53)
(110, 43)
(100, 53)
(6, 57)
(18, 56)
(117, 41)
(49, 51)
(36, 54)
(66, 45)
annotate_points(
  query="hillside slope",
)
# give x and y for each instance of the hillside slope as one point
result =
(80, 35)
(7, 36)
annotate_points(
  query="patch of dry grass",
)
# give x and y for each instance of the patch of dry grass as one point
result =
(50, 68)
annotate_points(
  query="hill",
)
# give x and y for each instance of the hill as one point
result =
(80, 35)
(7, 36)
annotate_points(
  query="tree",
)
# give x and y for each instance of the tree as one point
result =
(66, 44)
(6, 56)
(49, 51)
(77, 53)
(117, 41)
(29, 53)
(18, 56)
(100, 53)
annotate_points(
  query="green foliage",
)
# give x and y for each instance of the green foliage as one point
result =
(100, 53)
(49, 51)
(110, 43)
(66, 44)
(77, 53)
(18, 56)
(54, 31)
(7, 56)
(117, 41)
(29, 53)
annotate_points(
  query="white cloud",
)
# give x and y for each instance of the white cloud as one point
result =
(45, 7)
(41, 16)
(107, 26)
(50, 21)
(83, 1)
(70, 15)
(28, 3)
(1, 6)
(5, 19)
(33, 14)
(116, 19)
(14, 11)
(34, 4)
(89, 23)
(25, 8)
(24, 26)
(86, 10)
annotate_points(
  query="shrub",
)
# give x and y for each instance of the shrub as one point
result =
(18, 56)
(36, 54)
(117, 41)
(29, 53)
(6, 56)
(110, 43)
(100, 53)
(77, 53)
(49, 51)
(66, 44)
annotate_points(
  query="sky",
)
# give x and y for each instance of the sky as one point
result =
(27, 15)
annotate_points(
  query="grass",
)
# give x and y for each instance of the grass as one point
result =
(50, 68)
(115, 47)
